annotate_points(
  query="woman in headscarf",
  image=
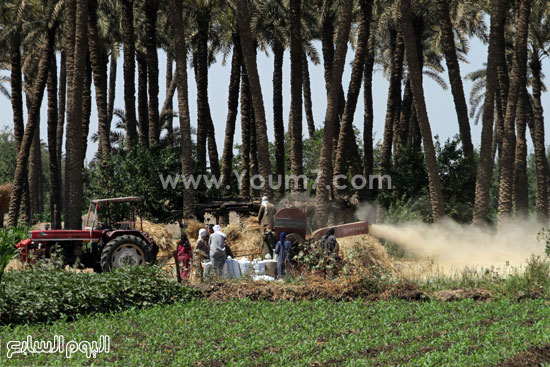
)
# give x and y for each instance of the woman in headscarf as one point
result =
(184, 255)
(218, 253)
(282, 249)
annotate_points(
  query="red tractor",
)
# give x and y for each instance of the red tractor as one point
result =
(100, 245)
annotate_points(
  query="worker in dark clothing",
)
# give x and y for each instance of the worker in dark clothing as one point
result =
(282, 249)
(329, 245)
(269, 241)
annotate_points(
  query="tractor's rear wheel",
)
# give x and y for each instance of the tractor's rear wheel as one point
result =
(125, 250)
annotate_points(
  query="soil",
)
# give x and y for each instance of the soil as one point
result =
(457, 294)
(316, 288)
(533, 357)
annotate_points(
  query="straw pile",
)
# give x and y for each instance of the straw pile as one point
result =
(244, 237)
(160, 234)
(5, 195)
(192, 229)
(369, 250)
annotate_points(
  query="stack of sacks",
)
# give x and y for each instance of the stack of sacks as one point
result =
(231, 268)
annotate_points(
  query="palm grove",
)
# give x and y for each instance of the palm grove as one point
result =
(58, 50)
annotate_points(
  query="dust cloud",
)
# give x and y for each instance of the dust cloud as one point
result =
(455, 246)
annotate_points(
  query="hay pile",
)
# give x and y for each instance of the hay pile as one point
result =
(244, 237)
(5, 195)
(366, 248)
(192, 229)
(160, 234)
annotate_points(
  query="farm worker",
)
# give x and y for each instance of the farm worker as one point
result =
(201, 248)
(329, 245)
(184, 255)
(267, 212)
(282, 249)
(218, 253)
(269, 241)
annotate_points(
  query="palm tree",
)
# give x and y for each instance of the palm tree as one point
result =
(346, 134)
(247, 119)
(296, 81)
(517, 83)
(368, 118)
(232, 105)
(99, 60)
(331, 115)
(520, 193)
(485, 166)
(183, 105)
(151, 8)
(143, 101)
(457, 89)
(540, 39)
(271, 25)
(37, 93)
(127, 28)
(249, 56)
(394, 95)
(415, 74)
(55, 176)
(74, 149)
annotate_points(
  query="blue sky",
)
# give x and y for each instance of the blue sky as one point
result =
(439, 102)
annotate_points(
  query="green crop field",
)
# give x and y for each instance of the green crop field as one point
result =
(318, 333)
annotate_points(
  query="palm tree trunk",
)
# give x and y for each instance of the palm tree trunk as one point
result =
(402, 133)
(254, 166)
(55, 193)
(346, 134)
(112, 86)
(249, 55)
(200, 62)
(394, 98)
(415, 74)
(278, 123)
(232, 106)
(143, 102)
(73, 148)
(307, 96)
(16, 88)
(541, 161)
(99, 60)
(151, 9)
(86, 104)
(183, 107)
(246, 118)
(485, 166)
(33, 120)
(521, 194)
(168, 103)
(331, 115)
(457, 89)
(296, 82)
(34, 174)
(517, 83)
(212, 149)
(127, 27)
(168, 106)
(62, 98)
(368, 117)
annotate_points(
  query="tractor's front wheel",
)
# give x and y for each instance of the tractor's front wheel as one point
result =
(124, 251)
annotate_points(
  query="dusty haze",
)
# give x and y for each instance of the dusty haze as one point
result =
(454, 246)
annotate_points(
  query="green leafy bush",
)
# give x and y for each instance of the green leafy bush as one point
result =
(41, 296)
(9, 237)
(310, 257)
